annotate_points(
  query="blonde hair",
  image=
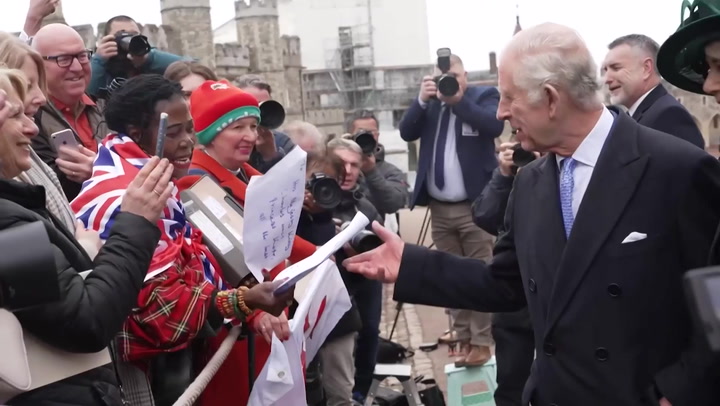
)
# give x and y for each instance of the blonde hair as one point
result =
(302, 130)
(13, 82)
(13, 53)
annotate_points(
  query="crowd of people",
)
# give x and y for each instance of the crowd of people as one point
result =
(570, 263)
(155, 296)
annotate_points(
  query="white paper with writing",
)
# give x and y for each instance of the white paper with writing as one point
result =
(272, 210)
(299, 270)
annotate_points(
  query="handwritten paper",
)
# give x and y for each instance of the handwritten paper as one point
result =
(299, 270)
(272, 209)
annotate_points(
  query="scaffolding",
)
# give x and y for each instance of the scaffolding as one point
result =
(351, 62)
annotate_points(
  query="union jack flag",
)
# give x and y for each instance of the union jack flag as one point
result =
(118, 162)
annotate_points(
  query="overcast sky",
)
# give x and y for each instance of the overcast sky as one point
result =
(472, 28)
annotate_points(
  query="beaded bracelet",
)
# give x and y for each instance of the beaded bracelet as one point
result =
(225, 303)
(241, 301)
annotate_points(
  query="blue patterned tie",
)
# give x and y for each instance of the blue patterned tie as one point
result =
(440, 148)
(567, 182)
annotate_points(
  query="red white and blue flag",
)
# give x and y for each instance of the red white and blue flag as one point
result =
(118, 162)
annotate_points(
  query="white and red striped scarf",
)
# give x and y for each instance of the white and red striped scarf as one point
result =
(118, 161)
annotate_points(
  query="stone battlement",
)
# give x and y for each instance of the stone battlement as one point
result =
(256, 8)
(232, 55)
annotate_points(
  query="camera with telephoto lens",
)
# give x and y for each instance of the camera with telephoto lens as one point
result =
(366, 140)
(325, 191)
(28, 274)
(447, 84)
(364, 240)
(702, 288)
(521, 157)
(132, 44)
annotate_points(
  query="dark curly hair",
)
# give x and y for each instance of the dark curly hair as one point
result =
(133, 104)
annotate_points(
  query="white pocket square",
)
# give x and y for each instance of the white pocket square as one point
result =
(634, 236)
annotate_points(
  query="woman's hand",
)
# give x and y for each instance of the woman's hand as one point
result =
(85, 236)
(148, 193)
(76, 164)
(268, 324)
(261, 297)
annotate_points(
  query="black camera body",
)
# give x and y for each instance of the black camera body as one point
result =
(325, 190)
(28, 276)
(447, 84)
(521, 157)
(132, 44)
(702, 288)
(366, 140)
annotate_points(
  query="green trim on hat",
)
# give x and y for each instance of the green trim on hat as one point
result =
(206, 136)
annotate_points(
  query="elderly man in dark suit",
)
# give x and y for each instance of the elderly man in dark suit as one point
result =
(457, 156)
(598, 234)
(632, 78)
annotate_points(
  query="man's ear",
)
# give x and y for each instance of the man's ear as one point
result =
(553, 99)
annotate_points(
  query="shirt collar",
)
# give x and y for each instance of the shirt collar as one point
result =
(589, 150)
(85, 101)
(635, 105)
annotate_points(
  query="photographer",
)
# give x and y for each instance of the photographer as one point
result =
(366, 293)
(457, 126)
(382, 182)
(115, 60)
(512, 332)
(335, 359)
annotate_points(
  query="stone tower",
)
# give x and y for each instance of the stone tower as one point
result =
(190, 20)
(259, 30)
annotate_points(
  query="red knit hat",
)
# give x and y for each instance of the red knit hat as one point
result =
(216, 105)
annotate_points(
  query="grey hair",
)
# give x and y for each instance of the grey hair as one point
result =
(252, 80)
(552, 54)
(640, 42)
(344, 143)
(301, 130)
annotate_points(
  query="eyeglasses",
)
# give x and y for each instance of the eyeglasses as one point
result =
(64, 61)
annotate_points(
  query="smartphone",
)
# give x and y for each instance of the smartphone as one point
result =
(65, 138)
(162, 133)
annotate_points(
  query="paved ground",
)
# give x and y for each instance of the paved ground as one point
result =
(417, 324)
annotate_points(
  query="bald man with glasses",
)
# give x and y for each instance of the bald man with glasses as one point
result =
(67, 65)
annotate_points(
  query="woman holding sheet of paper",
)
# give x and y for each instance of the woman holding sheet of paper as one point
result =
(184, 297)
(226, 121)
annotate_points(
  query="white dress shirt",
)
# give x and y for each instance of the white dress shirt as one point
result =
(587, 155)
(635, 105)
(454, 189)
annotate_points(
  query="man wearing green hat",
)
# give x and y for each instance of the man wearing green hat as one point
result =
(690, 58)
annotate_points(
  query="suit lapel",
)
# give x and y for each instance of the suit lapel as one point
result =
(616, 175)
(549, 236)
(651, 98)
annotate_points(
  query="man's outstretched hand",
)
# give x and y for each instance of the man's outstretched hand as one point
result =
(382, 263)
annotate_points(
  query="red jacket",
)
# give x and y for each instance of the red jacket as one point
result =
(231, 380)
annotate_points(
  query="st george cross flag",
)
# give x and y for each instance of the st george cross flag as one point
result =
(281, 381)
